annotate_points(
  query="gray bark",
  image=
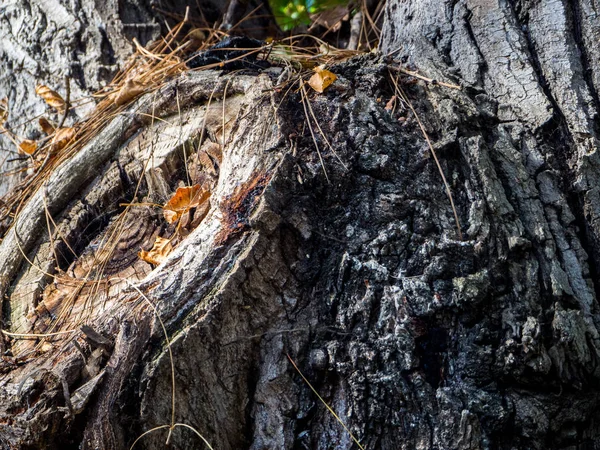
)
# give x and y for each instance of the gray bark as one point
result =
(41, 42)
(416, 339)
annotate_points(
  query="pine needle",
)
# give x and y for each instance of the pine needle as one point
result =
(400, 92)
(329, 408)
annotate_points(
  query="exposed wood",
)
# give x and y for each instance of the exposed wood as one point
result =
(93, 289)
(415, 337)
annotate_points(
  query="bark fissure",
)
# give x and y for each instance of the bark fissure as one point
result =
(577, 19)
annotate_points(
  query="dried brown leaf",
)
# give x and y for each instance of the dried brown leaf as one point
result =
(331, 18)
(28, 146)
(197, 37)
(3, 110)
(62, 137)
(389, 106)
(200, 214)
(321, 79)
(183, 200)
(214, 150)
(130, 90)
(46, 126)
(206, 162)
(51, 97)
(159, 252)
(185, 220)
(170, 216)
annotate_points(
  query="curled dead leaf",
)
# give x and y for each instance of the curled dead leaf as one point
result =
(129, 91)
(321, 79)
(62, 137)
(46, 126)
(197, 36)
(3, 110)
(28, 146)
(51, 97)
(389, 106)
(46, 347)
(214, 150)
(200, 214)
(331, 18)
(183, 200)
(170, 216)
(159, 252)
(207, 162)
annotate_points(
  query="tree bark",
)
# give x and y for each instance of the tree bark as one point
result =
(346, 259)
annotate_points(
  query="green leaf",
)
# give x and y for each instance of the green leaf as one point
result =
(292, 13)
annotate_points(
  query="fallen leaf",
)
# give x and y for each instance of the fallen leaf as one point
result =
(206, 162)
(46, 126)
(197, 37)
(185, 220)
(391, 103)
(3, 110)
(46, 347)
(214, 150)
(51, 97)
(28, 146)
(183, 200)
(62, 138)
(159, 252)
(200, 214)
(321, 79)
(331, 18)
(170, 216)
(129, 91)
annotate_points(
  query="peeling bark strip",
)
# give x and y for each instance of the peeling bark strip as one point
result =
(414, 338)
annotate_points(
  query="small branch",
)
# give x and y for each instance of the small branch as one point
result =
(234, 12)
(400, 92)
(67, 102)
(329, 408)
(35, 335)
(355, 28)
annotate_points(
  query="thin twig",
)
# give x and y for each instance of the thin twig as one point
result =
(421, 77)
(67, 102)
(320, 129)
(36, 335)
(304, 100)
(329, 408)
(404, 97)
(173, 425)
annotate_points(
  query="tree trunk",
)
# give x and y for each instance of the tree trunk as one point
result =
(346, 260)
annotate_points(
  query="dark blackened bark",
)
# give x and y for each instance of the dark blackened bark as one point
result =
(522, 357)
(417, 339)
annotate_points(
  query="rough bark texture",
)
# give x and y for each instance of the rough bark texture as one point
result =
(417, 339)
(521, 362)
(42, 42)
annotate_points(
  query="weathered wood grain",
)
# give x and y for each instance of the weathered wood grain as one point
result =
(107, 236)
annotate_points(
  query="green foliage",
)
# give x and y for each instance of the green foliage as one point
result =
(292, 13)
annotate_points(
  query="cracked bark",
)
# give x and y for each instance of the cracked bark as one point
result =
(416, 339)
